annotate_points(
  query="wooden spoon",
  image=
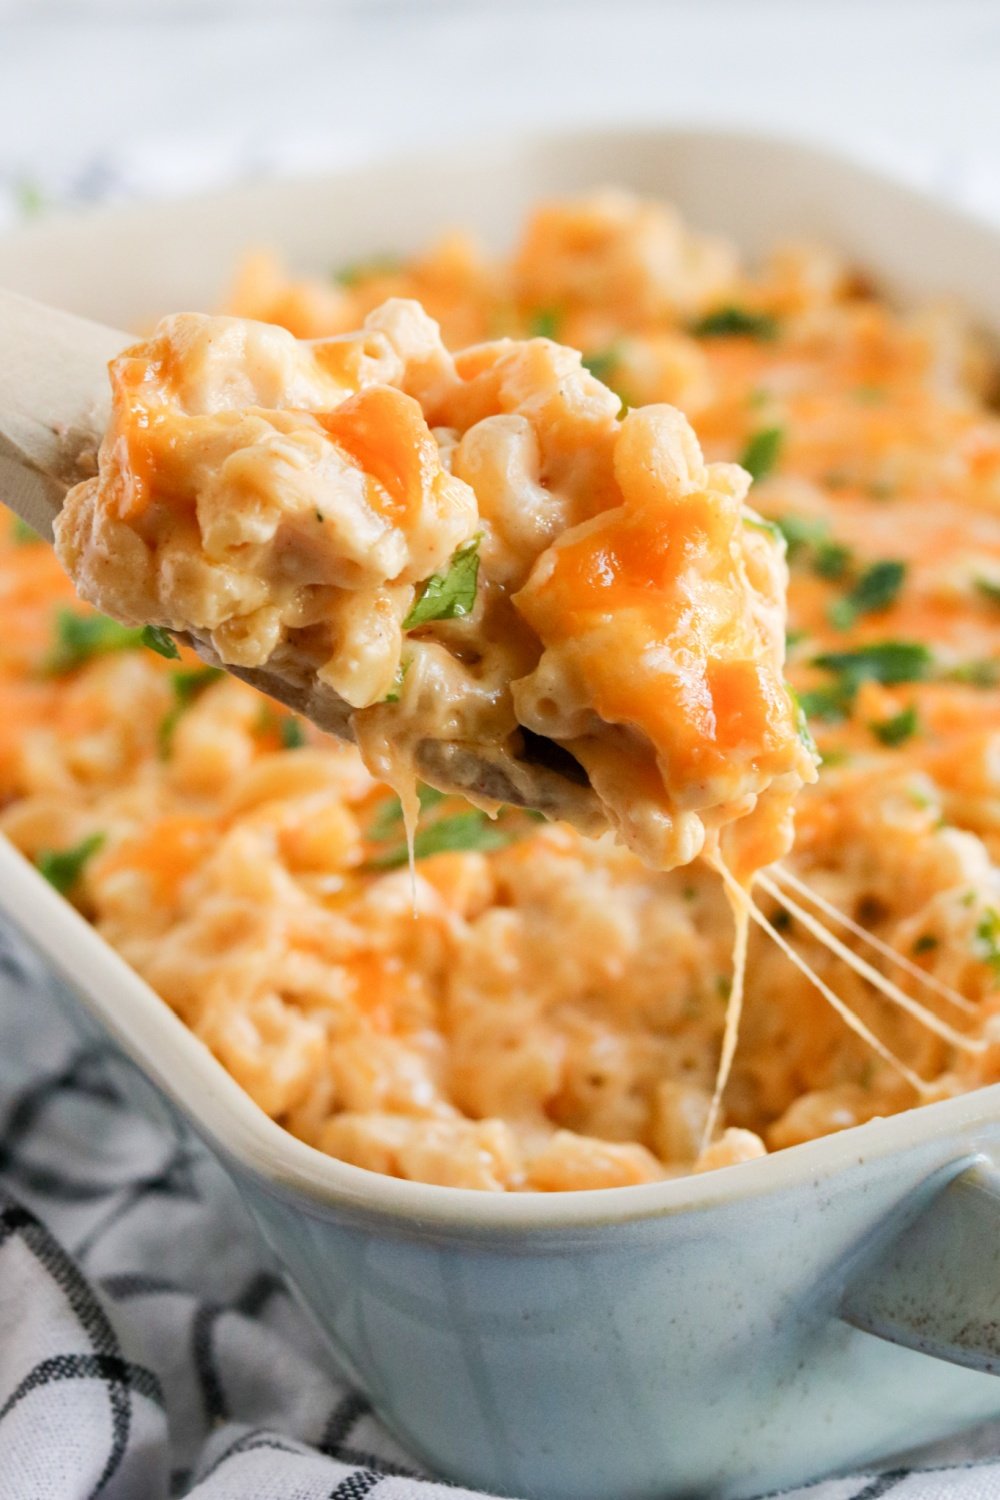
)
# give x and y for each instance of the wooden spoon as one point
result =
(54, 403)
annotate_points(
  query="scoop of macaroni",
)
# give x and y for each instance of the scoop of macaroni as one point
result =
(463, 548)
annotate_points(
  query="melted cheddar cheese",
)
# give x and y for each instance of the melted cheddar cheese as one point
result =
(291, 501)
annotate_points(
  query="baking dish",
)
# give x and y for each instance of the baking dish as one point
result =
(719, 1335)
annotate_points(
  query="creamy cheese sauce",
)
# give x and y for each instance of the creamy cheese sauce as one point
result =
(461, 548)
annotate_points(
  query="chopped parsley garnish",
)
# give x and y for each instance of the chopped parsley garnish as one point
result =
(732, 321)
(875, 589)
(22, 534)
(989, 589)
(759, 523)
(987, 939)
(460, 832)
(925, 943)
(287, 727)
(81, 637)
(800, 532)
(389, 813)
(807, 538)
(290, 732)
(544, 323)
(980, 674)
(887, 662)
(362, 270)
(897, 729)
(160, 641)
(187, 685)
(62, 868)
(446, 596)
(602, 364)
(801, 721)
(826, 703)
(761, 452)
(832, 560)
(393, 695)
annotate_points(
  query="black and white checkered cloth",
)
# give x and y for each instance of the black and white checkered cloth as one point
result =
(148, 1348)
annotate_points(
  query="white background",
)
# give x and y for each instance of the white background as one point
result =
(175, 89)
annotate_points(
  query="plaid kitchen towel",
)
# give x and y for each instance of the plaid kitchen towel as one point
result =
(148, 1348)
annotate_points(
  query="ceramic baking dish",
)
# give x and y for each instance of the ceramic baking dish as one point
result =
(716, 1336)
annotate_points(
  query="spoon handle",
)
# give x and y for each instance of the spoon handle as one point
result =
(53, 404)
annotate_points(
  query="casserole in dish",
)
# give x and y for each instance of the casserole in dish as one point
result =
(606, 1358)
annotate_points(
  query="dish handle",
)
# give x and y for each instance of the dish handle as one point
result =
(936, 1288)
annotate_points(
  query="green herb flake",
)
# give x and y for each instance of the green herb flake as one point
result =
(78, 638)
(800, 532)
(829, 704)
(759, 523)
(877, 588)
(897, 729)
(62, 868)
(888, 662)
(801, 721)
(732, 321)
(187, 685)
(986, 943)
(832, 560)
(988, 588)
(869, 395)
(358, 271)
(447, 596)
(602, 364)
(979, 674)
(23, 535)
(393, 695)
(461, 832)
(290, 732)
(544, 323)
(155, 638)
(761, 453)
(389, 813)
(925, 943)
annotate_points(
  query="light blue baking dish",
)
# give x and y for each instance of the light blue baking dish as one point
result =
(716, 1336)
